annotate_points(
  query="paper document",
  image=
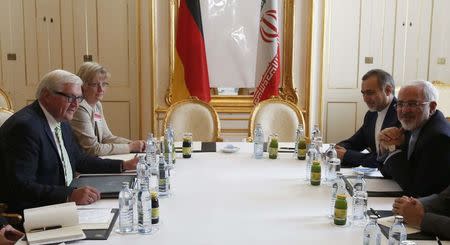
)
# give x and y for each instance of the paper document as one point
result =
(389, 221)
(95, 218)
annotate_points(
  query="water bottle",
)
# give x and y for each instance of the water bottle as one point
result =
(359, 183)
(144, 209)
(151, 149)
(125, 209)
(359, 208)
(372, 233)
(337, 187)
(311, 156)
(258, 141)
(142, 171)
(170, 135)
(163, 177)
(397, 232)
(329, 154)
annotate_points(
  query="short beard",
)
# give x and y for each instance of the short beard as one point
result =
(415, 125)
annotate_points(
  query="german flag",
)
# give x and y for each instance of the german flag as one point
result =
(191, 68)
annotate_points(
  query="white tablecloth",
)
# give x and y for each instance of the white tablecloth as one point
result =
(221, 198)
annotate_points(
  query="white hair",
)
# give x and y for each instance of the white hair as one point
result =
(54, 81)
(430, 93)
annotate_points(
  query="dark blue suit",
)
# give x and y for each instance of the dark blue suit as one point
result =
(31, 167)
(428, 169)
(364, 138)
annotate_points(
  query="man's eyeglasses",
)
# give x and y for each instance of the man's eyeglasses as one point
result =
(98, 84)
(70, 99)
(411, 104)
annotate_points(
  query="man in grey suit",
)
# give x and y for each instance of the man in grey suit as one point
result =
(431, 213)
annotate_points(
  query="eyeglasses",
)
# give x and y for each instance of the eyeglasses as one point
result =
(411, 104)
(70, 99)
(98, 84)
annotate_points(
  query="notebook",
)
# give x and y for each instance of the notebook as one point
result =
(52, 224)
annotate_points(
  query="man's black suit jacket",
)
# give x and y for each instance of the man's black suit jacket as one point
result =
(31, 169)
(364, 138)
(428, 169)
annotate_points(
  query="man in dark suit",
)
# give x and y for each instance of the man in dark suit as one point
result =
(431, 214)
(378, 93)
(39, 155)
(419, 158)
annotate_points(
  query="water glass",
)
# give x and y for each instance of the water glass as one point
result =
(333, 166)
(359, 208)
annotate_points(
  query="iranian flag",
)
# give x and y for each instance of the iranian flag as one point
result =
(268, 57)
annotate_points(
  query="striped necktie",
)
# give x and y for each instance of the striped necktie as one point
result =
(68, 175)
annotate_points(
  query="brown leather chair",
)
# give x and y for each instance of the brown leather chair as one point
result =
(13, 219)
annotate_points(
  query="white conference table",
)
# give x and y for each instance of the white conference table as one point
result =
(221, 198)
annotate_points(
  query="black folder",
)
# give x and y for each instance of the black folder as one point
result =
(414, 236)
(206, 147)
(108, 185)
(101, 234)
(372, 193)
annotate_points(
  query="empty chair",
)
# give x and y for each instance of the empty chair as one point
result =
(276, 116)
(194, 116)
(4, 115)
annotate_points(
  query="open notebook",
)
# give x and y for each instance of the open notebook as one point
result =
(52, 224)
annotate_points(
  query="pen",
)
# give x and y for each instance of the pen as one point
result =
(438, 240)
(375, 213)
(45, 228)
(287, 148)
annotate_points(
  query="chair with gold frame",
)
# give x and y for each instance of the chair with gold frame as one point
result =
(443, 103)
(276, 116)
(5, 114)
(5, 100)
(194, 116)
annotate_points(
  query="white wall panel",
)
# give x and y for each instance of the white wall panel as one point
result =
(85, 30)
(412, 40)
(67, 37)
(48, 29)
(440, 42)
(112, 35)
(377, 35)
(341, 120)
(117, 116)
(342, 66)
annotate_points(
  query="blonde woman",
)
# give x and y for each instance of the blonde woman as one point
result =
(89, 123)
